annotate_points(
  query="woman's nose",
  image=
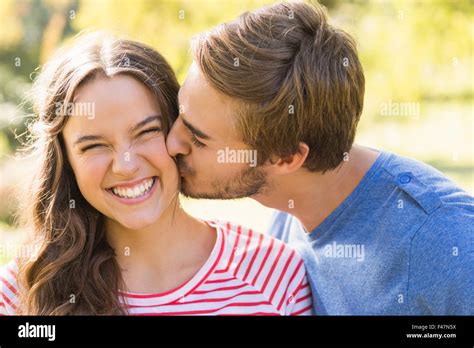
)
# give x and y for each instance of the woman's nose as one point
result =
(125, 164)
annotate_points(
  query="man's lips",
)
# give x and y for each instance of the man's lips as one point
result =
(184, 171)
(183, 168)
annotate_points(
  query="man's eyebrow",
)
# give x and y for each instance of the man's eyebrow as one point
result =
(194, 130)
(139, 125)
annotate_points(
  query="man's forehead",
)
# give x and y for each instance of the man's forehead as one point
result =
(206, 109)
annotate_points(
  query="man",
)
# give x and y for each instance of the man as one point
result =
(379, 233)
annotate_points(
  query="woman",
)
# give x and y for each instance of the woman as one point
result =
(111, 237)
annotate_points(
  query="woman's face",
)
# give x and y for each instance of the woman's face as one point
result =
(118, 153)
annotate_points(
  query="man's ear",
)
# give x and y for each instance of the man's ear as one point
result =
(291, 163)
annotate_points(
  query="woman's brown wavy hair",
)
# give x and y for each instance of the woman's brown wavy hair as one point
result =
(73, 270)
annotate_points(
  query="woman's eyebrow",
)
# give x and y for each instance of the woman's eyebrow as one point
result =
(87, 138)
(139, 125)
(146, 121)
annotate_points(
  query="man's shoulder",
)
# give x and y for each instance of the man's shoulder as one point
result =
(280, 223)
(396, 184)
(446, 232)
(426, 185)
(440, 257)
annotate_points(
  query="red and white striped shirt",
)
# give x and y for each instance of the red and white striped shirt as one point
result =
(247, 273)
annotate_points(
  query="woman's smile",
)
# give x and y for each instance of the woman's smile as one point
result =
(134, 192)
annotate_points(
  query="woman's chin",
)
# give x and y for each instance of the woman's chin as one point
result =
(140, 219)
(137, 223)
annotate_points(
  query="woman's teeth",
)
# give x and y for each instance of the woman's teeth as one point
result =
(136, 191)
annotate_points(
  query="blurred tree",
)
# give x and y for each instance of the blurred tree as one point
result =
(166, 25)
(35, 29)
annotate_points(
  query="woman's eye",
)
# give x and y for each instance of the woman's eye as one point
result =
(150, 130)
(92, 146)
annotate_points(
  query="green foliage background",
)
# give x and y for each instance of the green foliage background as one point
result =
(418, 51)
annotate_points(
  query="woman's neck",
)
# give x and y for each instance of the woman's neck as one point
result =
(163, 255)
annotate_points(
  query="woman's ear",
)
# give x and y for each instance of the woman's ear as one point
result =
(291, 163)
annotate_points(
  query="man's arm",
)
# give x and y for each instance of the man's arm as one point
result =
(441, 276)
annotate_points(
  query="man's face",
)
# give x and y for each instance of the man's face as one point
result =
(213, 161)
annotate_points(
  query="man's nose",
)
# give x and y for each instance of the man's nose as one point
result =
(176, 142)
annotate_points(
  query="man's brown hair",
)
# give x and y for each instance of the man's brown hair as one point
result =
(295, 77)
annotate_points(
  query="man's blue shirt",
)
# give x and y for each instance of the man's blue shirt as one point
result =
(400, 244)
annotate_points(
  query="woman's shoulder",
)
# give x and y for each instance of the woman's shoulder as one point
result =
(243, 240)
(8, 288)
(267, 264)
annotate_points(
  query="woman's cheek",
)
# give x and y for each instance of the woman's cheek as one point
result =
(157, 155)
(155, 150)
(90, 173)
